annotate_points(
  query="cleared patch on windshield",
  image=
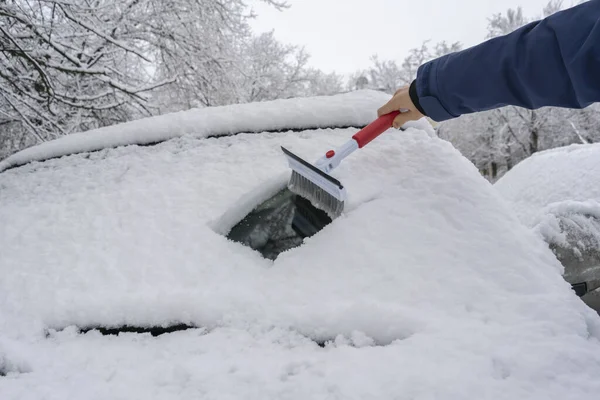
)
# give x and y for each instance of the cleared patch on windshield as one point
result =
(279, 224)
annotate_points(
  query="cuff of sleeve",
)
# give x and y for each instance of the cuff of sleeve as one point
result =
(426, 88)
(414, 97)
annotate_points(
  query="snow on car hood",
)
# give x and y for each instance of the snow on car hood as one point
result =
(355, 109)
(557, 194)
(426, 260)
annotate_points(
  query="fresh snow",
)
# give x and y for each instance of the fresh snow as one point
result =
(428, 286)
(583, 216)
(550, 177)
(557, 194)
(344, 110)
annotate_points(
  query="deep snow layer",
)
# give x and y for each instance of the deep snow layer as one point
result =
(426, 260)
(354, 109)
(557, 194)
(567, 174)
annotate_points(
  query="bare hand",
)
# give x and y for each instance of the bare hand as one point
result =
(401, 101)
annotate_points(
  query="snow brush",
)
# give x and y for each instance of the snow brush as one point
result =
(314, 183)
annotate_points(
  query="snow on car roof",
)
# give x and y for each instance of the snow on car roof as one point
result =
(566, 174)
(426, 261)
(356, 108)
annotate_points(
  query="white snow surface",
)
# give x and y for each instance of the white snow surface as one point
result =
(427, 286)
(557, 194)
(357, 109)
(539, 184)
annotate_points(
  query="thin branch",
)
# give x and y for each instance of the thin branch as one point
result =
(581, 138)
(37, 67)
(58, 48)
(507, 122)
(24, 118)
(102, 35)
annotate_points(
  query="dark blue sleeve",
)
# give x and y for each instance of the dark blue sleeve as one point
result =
(552, 62)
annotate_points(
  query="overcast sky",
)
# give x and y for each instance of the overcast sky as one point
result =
(341, 35)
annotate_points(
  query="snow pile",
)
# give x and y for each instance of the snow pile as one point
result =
(569, 173)
(426, 261)
(355, 109)
(557, 193)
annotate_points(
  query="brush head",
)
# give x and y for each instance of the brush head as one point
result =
(318, 187)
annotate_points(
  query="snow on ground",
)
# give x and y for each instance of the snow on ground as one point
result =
(428, 285)
(344, 110)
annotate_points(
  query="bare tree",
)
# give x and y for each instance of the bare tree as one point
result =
(272, 70)
(68, 66)
(514, 133)
(388, 75)
(73, 65)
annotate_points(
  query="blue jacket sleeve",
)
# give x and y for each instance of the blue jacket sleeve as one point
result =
(552, 62)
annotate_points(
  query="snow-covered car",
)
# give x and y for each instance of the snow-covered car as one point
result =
(427, 286)
(557, 194)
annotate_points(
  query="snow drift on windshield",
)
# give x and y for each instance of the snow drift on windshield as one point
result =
(426, 287)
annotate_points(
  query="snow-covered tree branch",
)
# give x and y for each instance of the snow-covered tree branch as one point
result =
(73, 65)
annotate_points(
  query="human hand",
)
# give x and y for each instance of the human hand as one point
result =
(401, 101)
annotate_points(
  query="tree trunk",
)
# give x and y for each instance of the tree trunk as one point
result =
(508, 154)
(509, 164)
(534, 134)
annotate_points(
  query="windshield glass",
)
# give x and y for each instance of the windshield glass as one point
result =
(279, 224)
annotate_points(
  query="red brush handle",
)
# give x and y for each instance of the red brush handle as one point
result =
(374, 129)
